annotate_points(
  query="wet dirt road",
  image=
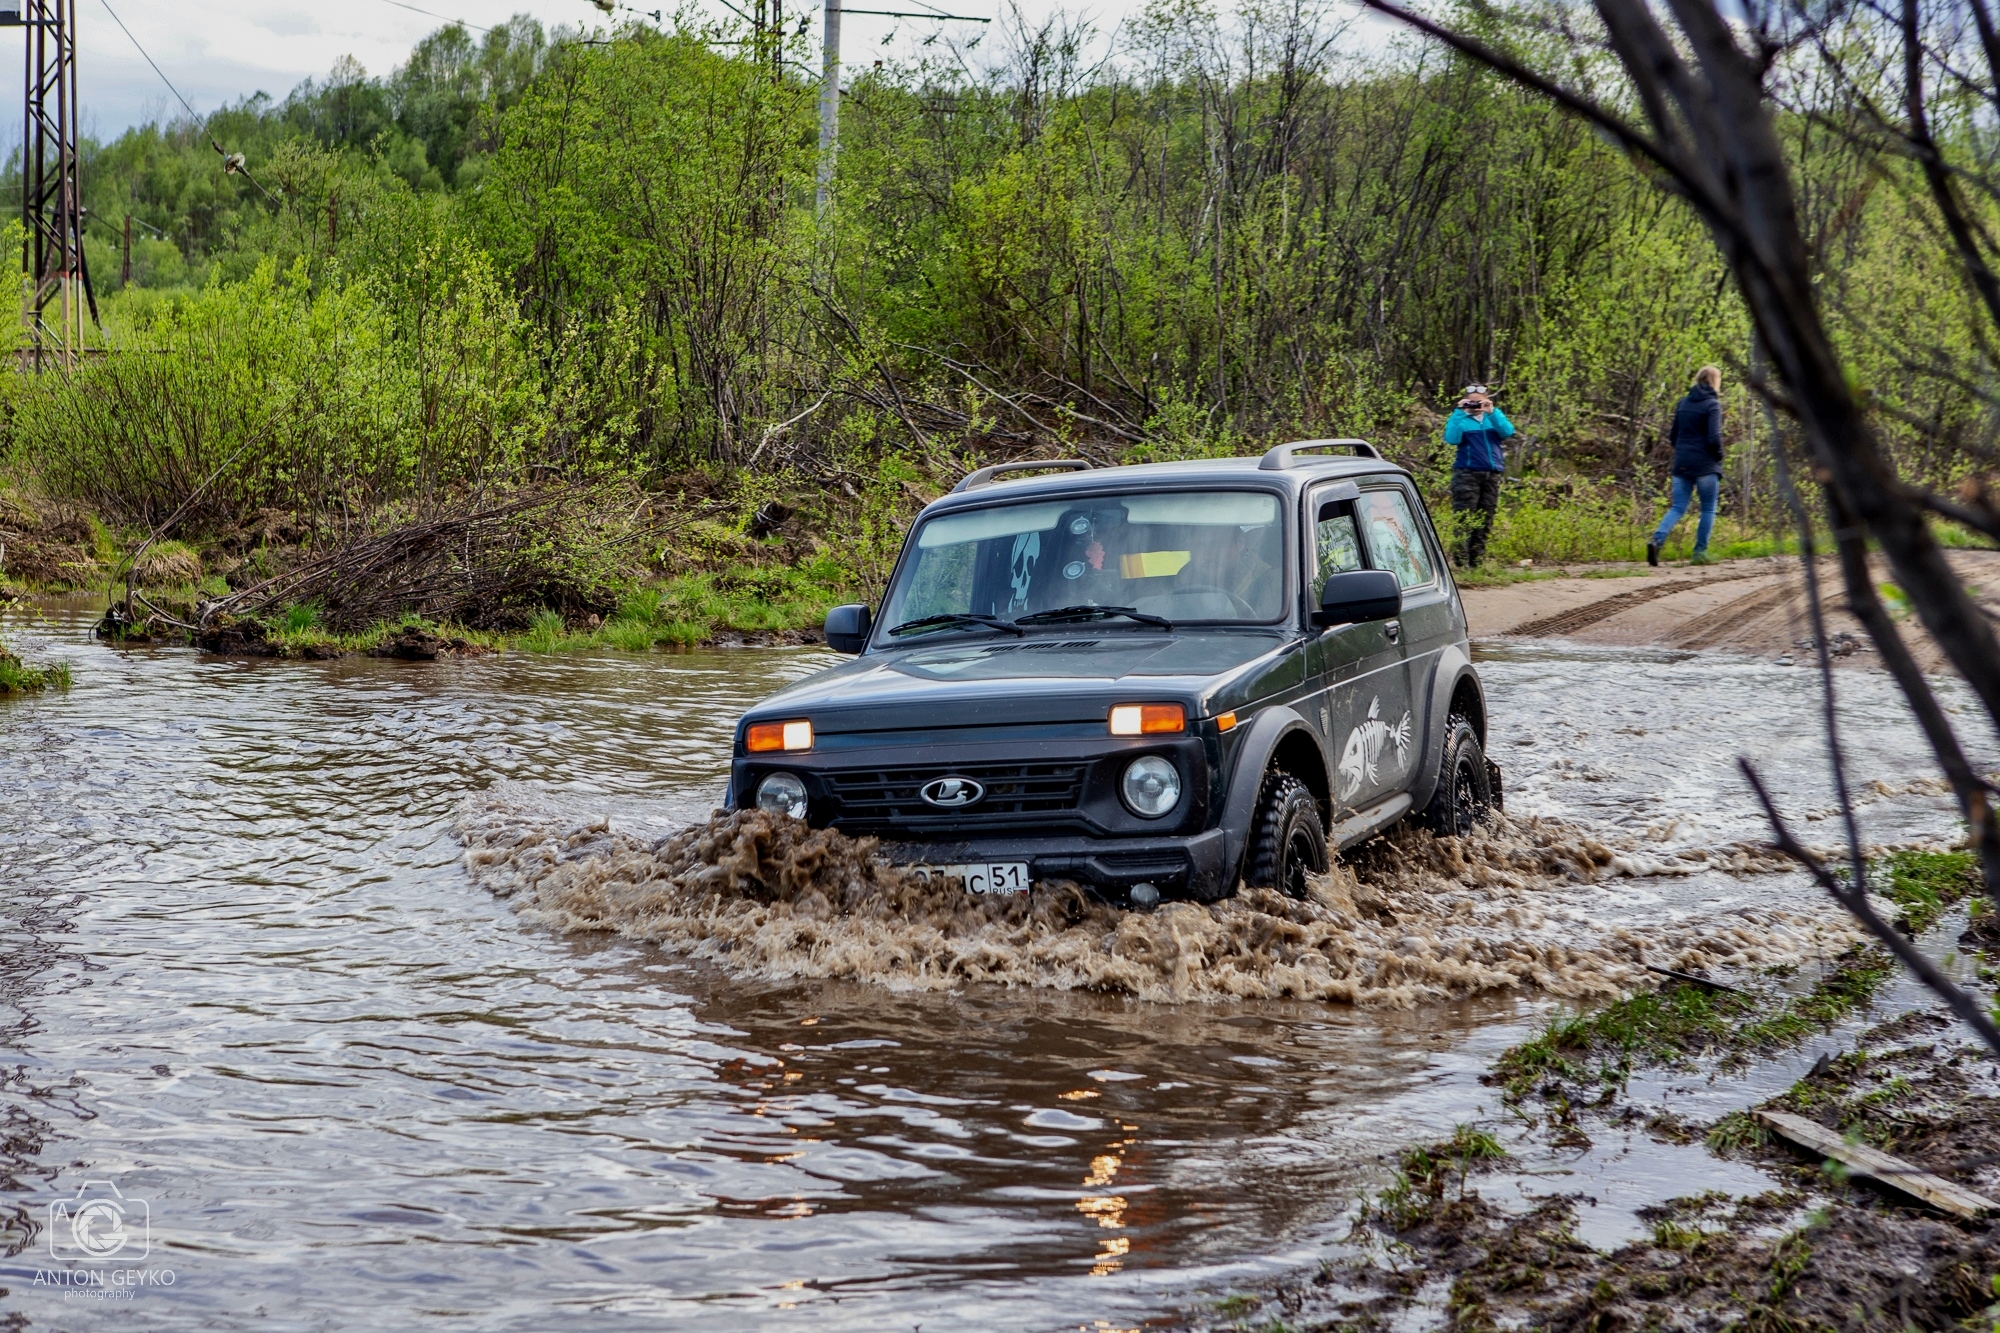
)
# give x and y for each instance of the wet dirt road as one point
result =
(248, 979)
(1755, 607)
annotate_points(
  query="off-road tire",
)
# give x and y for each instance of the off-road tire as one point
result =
(1464, 793)
(1287, 837)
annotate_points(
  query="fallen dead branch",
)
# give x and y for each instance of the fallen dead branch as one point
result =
(484, 565)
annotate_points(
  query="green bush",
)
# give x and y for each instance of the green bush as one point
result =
(273, 393)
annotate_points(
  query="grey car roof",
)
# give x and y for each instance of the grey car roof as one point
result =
(1205, 471)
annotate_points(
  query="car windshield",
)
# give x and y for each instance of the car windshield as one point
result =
(1179, 555)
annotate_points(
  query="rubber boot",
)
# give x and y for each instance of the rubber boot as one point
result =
(1653, 554)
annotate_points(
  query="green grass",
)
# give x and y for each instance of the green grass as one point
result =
(1924, 884)
(684, 611)
(1423, 1173)
(1951, 534)
(1573, 521)
(678, 613)
(1670, 1234)
(629, 636)
(17, 677)
(547, 634)
(1735, 1132)
(1678, 1021)
(298, 632)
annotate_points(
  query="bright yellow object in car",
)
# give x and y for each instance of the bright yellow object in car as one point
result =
(1153, 564)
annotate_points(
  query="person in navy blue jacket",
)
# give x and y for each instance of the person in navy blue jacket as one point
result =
(1476, 427)
(1696, 437)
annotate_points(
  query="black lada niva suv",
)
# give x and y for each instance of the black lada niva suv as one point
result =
(1158, 681)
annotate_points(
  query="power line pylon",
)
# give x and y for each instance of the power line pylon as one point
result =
(56, 287)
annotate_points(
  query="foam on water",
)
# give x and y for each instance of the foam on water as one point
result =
(1412, 919)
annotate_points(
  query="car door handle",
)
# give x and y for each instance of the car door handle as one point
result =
(1394, 630)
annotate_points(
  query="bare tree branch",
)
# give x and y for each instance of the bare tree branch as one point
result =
(1854, 898)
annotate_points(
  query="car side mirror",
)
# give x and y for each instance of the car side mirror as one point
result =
(847, 627)
(1359, 596)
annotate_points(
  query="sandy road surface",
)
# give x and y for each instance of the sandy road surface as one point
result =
(1745, 606)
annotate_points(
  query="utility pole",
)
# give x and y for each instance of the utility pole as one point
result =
(829, 103)
(125, 263)
(829, 87)
(54, 271)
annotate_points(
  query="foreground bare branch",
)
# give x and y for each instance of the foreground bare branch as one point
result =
(1854, 897)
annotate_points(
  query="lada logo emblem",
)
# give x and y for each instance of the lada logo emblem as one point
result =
(951, 793)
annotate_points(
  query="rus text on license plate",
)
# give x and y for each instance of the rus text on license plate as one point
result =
(981, 876)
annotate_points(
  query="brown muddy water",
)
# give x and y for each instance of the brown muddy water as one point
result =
(290, 957)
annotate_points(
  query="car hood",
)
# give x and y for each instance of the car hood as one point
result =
(992, 680)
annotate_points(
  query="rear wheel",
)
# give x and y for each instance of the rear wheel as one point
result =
(1287, 837)
(1464, 793)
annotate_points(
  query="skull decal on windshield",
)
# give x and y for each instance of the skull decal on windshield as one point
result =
(1027, 550)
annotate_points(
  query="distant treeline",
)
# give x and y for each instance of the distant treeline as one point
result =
(533, 252)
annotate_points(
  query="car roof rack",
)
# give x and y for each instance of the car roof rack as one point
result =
(1280, 459)
(986, 475)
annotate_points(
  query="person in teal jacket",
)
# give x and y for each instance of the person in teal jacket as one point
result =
(1476, 429)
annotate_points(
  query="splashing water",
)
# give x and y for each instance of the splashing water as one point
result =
(1412, 919)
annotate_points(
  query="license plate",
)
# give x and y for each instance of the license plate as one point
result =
(980, 876)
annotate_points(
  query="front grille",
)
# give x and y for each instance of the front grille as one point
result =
(888, 797)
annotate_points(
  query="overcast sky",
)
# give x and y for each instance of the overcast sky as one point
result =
(222, 50)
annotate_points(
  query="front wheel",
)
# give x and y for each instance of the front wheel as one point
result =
(1287, 838)
(1464, 793)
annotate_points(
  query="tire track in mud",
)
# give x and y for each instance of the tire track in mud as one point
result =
(1712, 627)
(1583, 617)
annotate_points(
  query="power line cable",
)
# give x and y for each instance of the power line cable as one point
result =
(233, 164)
(446, 17)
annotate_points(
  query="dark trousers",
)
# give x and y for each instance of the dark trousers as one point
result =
(1477, 494)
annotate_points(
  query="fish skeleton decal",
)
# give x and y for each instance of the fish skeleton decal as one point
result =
(1361, 757)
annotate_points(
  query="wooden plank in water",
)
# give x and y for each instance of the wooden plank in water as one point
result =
(1879, 1166)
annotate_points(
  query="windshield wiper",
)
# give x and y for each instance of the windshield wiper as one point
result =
(956, 620)
(1093, 613)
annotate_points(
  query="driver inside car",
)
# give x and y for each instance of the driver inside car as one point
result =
(1088, 544)
(1196, 569)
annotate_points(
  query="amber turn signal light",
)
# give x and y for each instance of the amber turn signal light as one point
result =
(1148, 720)
(764, 737)
(1225, 722)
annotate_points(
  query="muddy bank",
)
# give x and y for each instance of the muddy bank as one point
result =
(1814, 1251)
(550, 566)
(248, 637)
(1477, 1233)
(1755, 607)
(1411, 919)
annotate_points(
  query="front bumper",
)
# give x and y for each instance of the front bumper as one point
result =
(1052, 803)
(1179, 867)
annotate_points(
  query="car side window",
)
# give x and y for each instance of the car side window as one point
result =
(1394, 538)
(1336, 544)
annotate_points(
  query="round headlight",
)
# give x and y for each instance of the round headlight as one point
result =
(782, 794)
(1151, 786)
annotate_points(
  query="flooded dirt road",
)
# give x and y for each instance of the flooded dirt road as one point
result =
(249, 979)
